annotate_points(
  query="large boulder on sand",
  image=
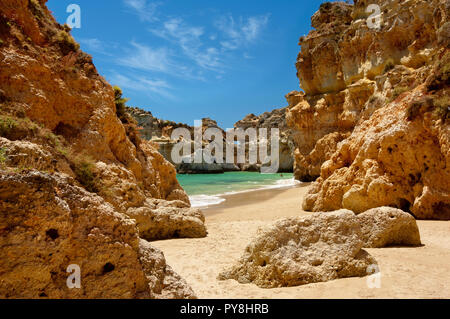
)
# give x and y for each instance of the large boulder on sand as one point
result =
(302, 250)
(159, 219)
(384, 226)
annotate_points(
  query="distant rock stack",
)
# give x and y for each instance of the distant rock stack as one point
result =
(270, 120)
(160, 131)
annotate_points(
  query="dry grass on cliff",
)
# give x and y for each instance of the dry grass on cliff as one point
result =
(397, 91)
(83, 167)
(36, 9)
(14, 128)
(7, 124)
(390, 64)
(440, 76)
(2, 157)
(66, 42)
(442, 108)
(130, 124)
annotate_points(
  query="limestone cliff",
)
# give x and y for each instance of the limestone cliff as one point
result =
(63, 144)
(373, 122)
(47, 223)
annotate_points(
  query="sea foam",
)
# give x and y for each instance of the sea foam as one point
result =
(198, 201)
(205, 200)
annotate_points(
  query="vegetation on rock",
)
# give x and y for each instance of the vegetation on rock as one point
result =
(83, 166)
(120, 103)
(66, 41)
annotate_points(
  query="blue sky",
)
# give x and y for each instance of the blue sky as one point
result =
(188, 59)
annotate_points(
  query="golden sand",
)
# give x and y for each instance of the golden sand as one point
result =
(421, 272)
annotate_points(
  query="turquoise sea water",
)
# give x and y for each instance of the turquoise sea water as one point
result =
(205, 189)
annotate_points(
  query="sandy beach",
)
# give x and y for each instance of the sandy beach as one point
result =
(421, 272)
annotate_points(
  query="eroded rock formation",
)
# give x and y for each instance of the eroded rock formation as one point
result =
(48, 223)
(302, 250)
(70, 163)
(387, 226)
(373, 122)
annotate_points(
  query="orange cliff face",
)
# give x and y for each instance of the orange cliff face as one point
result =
(59, 129)
(56, 85)
(372, 125)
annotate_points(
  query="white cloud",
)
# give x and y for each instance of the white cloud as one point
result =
(189, 39)
(146, 10)
(95, 45)
(92, 44)
(145, 58)
(241, 32)
(194, 50)
(254, 26)
(142, 84)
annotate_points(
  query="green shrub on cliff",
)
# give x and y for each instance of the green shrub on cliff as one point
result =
(397, 91)
(83, 167)
(120, 104)
(439, 105)
(2, 156)
(66, 42)
(419, 106)
(7, 124)
(390, 64)
(36, 9)
(440, 76)
(442, 108)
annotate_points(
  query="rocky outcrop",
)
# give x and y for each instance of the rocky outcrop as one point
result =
(302, 250)
(161, 220)
(270, 120)
(160, 133)
(47, 223)
(162, 280)
(386, 226)
(60, 117)
(86, 138)
(151, 127)
(320, 122)
(372, 124)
